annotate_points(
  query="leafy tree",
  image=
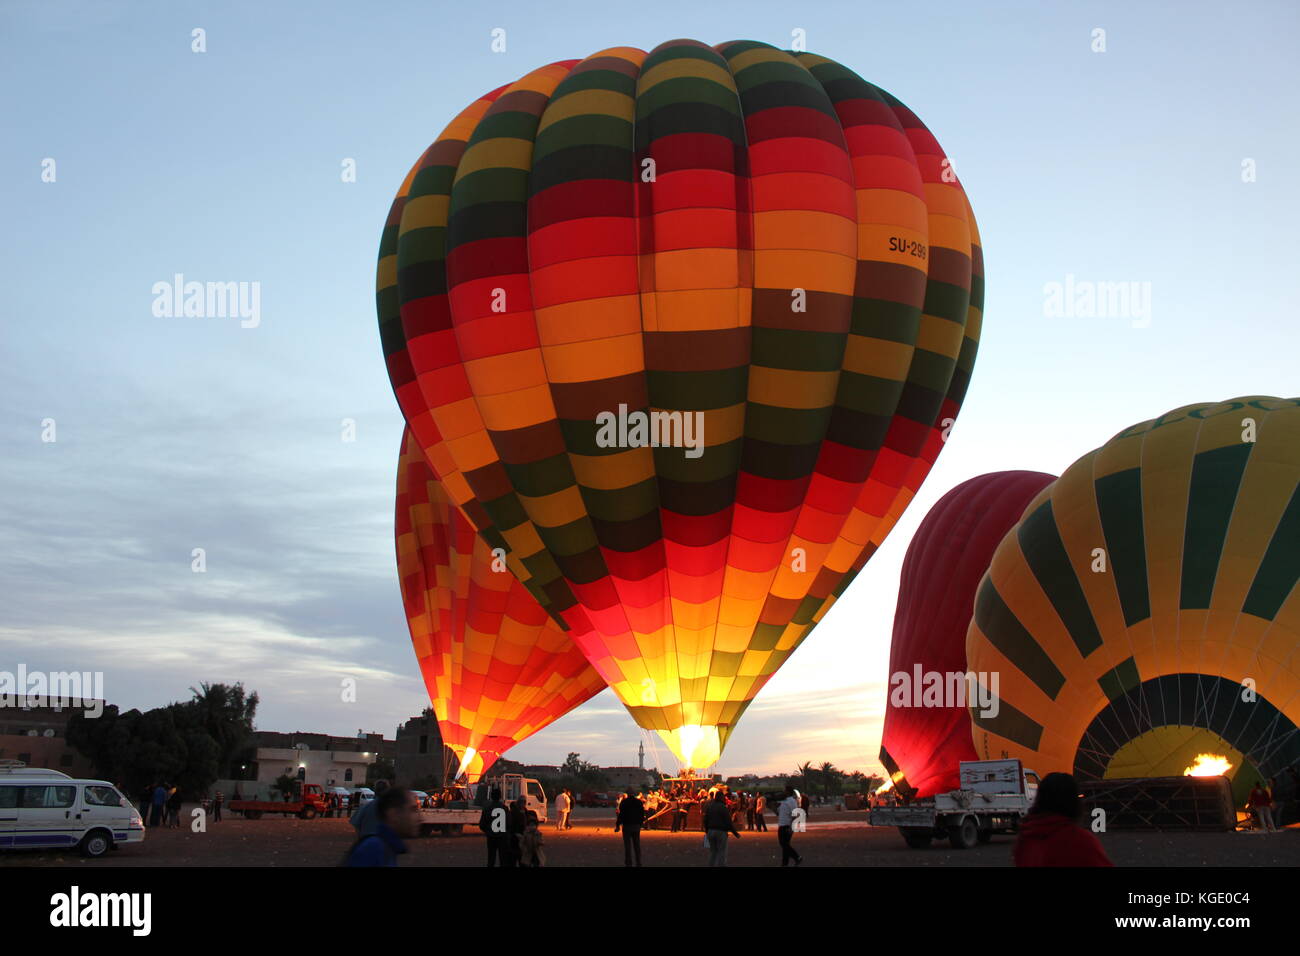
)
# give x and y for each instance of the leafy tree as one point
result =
(188, 745)
(284, 784)
(381, 769)
(226, 715)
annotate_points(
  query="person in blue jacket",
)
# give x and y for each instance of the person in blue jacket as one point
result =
(398, 814)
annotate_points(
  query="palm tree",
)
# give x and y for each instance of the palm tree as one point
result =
(828, 773)
(803, 773)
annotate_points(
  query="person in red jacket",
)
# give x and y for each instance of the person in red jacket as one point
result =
(1050, 834)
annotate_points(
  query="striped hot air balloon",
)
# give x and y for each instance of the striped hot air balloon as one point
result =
(767, 254)
(927, 725)
(1145, 611)
(497, 668)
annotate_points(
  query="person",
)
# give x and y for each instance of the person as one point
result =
(719, 823)
(174, 808)
(495, 823)
(749, 802)
(217, 803)
(530, 845)
(1050, 834)
(1279, 802)
(804, 805)
(760, 804)
(366, 820)
(631, 815)
(146, 801)
(1261, 802)
(563, 807)
(518, 824)
(785, 827)
(159, 803)
(397, 818)
(681, 812)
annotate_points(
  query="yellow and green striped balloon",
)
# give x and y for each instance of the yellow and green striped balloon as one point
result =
(1145, 611)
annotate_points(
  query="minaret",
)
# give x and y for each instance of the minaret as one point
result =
(640, 756)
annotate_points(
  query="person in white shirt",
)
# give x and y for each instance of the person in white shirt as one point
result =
(785, 827)
(563, 807)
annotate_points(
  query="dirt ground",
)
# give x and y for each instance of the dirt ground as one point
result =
(833, 839)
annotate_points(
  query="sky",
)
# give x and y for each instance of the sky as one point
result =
(1160, 152)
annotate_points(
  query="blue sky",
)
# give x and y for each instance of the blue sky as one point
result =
(182, 433)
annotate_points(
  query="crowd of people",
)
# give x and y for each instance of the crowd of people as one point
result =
(722, 814)
(160, 805)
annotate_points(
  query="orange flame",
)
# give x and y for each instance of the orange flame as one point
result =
(1208, 765)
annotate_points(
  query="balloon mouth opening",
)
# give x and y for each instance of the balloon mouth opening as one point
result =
(696, 746)
(466, 761)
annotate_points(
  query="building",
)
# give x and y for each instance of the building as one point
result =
(314, 758)
(621, 777)
(37, 736)
(329, 768)
(420, 755)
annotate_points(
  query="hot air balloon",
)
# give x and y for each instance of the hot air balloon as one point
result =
(497, 668)
(1144, 613)
(691, 327)
(924, 740)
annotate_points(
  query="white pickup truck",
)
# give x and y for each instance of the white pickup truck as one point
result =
(468, 802)
(992, 797)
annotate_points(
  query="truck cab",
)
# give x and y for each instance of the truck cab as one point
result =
(513, 787)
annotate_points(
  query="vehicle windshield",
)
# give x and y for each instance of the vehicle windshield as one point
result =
(101, 796)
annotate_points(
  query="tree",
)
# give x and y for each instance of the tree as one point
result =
(381, 769)
(829, 776)
(226, 715)
(285, 784)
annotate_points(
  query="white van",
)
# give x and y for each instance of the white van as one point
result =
(46, 808)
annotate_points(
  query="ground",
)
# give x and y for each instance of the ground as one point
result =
(833, 839)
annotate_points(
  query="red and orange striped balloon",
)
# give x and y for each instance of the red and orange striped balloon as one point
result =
(497, 668)
(755, 241)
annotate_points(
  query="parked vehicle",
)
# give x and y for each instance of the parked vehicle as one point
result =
(47, 808)
(455, 812)
(992, 798)
(591, 798)
(308, 800)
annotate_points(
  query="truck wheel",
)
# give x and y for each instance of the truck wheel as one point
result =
(252, 814)
(96, 843)
(985, 835)
(426, 829)
(964, 835)
(918, 838)
(308, 813)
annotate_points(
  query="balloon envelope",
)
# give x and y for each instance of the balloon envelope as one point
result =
(925, 739)
(497, 668)
(1144, 612)
(764, 252)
